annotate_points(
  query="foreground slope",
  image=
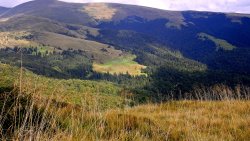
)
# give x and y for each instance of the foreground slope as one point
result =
(177, 120)
(56, 109)
(164, 52)
(70, 92)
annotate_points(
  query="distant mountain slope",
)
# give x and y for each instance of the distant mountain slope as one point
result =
(90, 14)
(3, 9)
(96, 13)
(93, 13)
(186, 38)
(67, 36)
(219, 41)
(52, 9)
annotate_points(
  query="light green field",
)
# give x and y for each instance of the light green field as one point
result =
(121, 65)
(223, 44)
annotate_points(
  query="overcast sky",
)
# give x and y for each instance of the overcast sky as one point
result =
(239, 6)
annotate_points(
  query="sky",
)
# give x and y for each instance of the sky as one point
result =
(237, 6)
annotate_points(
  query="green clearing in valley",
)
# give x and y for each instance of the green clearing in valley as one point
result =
(121, 65)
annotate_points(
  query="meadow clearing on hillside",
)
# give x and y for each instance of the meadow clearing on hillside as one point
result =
(121, 65)
(220, 44)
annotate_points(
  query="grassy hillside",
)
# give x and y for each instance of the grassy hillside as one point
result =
(187, 120)
(70, 91)
(33, 39)
(14, 39)
(87, 13)
(47, 43)
(97, 51)
(94, 10)
(57, 109)
(176, 120)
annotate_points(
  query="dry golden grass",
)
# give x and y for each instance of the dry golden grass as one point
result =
(183, 120)
(12, 39)
(100, 11)
(174, 120)
(4, 19)
(197, 120)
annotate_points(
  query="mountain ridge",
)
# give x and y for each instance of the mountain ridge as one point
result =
(154, 12)
(3, 9)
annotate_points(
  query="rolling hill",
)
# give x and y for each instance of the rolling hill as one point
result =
(169, 29)
(3, 9)
(98, 40)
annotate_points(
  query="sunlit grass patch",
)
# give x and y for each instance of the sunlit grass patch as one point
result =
(100, 11)
(220, 43)
(121, 65)
(13, 39)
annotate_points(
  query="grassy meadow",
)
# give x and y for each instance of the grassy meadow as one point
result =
(220, 44)
(121, 65)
